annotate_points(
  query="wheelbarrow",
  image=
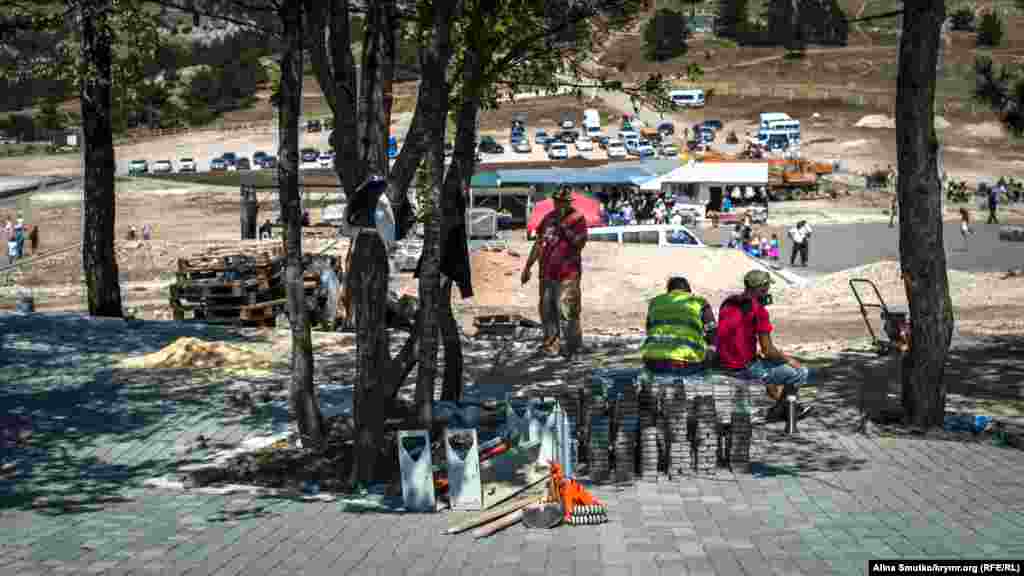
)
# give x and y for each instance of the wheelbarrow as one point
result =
(894, 320)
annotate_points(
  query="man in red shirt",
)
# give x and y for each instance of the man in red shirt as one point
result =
(561, 236)
(745, 345)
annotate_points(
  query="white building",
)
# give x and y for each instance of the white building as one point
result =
(703, 182)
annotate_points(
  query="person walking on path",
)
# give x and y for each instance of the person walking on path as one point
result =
(993, 204)
(746, 349)
(562, 234)
(801, 237)
(965, 226)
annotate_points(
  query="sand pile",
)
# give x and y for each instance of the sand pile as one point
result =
(990, 130)
(188, 352)
(876, 121)
(833, 290)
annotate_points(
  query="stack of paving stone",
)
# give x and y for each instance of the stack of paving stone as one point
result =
(648, 432)
(596, 403)
(570, 401)
(706, 433)
(680, 460)
(626, 434)
(741, 432)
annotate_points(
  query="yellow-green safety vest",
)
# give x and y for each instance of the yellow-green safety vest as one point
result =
(675, 330)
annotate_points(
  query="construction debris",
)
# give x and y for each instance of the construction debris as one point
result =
(188, 352)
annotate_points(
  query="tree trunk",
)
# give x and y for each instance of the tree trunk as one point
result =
(99, 262)
(922, 253)
(305, 407)
(367, 280)
(429, 270)
(453, 364)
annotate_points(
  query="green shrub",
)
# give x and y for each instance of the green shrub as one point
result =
(963, 19)
(990, 30)
(30, 149)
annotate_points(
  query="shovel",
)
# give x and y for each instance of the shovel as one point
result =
(543, 516)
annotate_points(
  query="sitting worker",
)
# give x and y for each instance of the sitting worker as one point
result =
(745, 345)
(679, 325)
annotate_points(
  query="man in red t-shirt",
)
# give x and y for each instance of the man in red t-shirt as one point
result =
(561, 236)
(743, 328)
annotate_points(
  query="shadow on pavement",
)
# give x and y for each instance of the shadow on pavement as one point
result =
(78, 430)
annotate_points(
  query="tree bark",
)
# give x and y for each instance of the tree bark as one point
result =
(453, 388)
(99, 262)
(922, 252)
(305, 406)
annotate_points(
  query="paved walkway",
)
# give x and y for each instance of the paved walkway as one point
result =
(823, 502)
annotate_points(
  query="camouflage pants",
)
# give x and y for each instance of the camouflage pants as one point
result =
(561, 302)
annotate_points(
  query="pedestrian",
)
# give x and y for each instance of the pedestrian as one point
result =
(19, 240)
(147, 232)
(965, 225)
(131, 232)
(766, 247)
(801, 237)
(893, 206)
(33, 238)
(12, 250)
(774, 250)
(993, 203)
(561, 236)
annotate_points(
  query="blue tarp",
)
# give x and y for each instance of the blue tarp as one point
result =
(622, 173)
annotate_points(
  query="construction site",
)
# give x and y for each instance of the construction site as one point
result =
(540, 440)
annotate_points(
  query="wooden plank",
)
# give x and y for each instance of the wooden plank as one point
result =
(474, 520)
(510, 473)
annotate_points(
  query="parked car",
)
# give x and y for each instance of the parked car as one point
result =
(326, 159)
(218, 165)
(644, 149)
(706, 135)
(584, 145)
(558, 151)
(138, 167)
(186, 165)
(488, 145)
(267, 162)
(602, 142)
(567, 124)
(541, 137)
(616, 149)
(243, 164)
(163, 167)
(669, 150)
(313, 126)
(569, 136)
(516, 138)
(257, 156)
(309, 154)
(713, 124)
(523, 146)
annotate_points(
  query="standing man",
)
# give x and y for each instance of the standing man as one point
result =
(993, 203)
(745, 345)
(801, 237)
(561, 236)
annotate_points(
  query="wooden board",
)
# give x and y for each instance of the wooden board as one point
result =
(462, 521)
(509, 473)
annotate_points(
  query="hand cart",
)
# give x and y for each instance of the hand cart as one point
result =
(894, 320)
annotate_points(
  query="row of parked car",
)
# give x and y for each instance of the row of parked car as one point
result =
(230, 162)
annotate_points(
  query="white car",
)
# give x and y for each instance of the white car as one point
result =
(669, 150)
(625, 135)
(568, 124)
(616, 149)
(326, 159)
(186, 165)
(162, 167)
(558, 151)
(584, 145)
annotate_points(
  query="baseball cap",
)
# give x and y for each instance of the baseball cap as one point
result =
(757, 279)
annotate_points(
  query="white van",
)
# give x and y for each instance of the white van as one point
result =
(780, 122)
(592, 124)
(688, 98)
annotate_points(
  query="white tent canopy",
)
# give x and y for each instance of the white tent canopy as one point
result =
(725, 173)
